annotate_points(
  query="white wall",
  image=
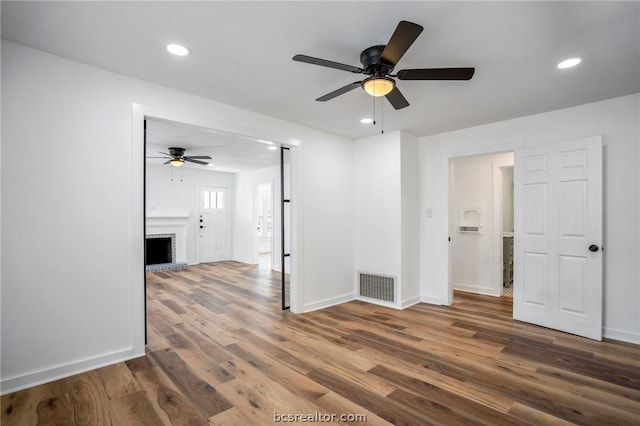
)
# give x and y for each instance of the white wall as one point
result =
(475, 257)
(179, 197)
(72, 263)
(410, 223)
(378, 205)
(618, 121)
(327, 204)
(386, 225)
(244, 246)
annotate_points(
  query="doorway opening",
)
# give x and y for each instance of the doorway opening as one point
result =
(213, 196)
(481, 224)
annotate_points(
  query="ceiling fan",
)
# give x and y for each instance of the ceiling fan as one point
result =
(176, 157)
(378, 63)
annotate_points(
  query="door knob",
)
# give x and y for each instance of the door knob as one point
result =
(593, 248)
(202, 227)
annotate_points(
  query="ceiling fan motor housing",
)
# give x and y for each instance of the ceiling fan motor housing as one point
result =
(176, 152)
(370, 60)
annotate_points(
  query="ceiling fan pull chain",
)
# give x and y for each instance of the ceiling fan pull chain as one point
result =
(374, 110)
(381, 116)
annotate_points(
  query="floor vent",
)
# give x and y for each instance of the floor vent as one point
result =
(377, 287)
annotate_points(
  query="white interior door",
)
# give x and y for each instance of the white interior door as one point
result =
(213, 224)
(558, 236)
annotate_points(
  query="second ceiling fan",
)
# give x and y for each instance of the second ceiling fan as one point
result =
(176, 157)
(378, 63)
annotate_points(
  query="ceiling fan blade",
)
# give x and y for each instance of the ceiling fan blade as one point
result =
(164, 153)
(328, 64)
(167, 162)
(157, 157)
(437, 74)
(204, 157)
(403, 37)
(191, 160)
(397, 99)
(340, 91)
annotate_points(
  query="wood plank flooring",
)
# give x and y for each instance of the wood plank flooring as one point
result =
(221, 352)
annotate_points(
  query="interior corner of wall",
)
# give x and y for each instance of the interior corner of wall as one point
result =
(432, 300)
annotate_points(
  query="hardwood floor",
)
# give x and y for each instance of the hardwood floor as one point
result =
(221, 352)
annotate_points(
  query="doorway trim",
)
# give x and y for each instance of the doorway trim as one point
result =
(445, 286)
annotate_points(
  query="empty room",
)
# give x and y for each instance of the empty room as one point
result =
(252, 213)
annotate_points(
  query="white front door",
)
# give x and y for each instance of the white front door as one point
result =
(558, 236)
(213, 224)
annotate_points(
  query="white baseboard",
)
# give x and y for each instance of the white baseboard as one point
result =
(243, 260)
(402, 305)
(432, 300)
(13, 384)
(488, 291)
(332, 301)
(377, 302)
(624, 336)
(409, 302)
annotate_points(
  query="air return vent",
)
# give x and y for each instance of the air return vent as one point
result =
(377, 287)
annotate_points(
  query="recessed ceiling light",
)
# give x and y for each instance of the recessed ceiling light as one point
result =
(366, 120)
(178, 49)
(210, 165)
(265, 141)
(272, 148)
(568, 63)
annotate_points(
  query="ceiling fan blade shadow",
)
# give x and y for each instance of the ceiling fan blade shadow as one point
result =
(326, 63)
(340, 91)
(403, 37)
(397, 99)
(190, 160)
(204, 157)
(436, 74)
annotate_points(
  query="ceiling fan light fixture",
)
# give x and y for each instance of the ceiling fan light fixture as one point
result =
(177, 162)
(378, 86)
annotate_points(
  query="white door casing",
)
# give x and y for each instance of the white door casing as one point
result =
(213, 224)
(557, 217)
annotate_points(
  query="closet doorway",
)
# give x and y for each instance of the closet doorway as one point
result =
(481, 224)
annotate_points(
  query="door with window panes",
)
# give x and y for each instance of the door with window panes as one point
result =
(213, 224)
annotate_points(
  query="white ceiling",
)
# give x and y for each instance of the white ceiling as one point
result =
(242, 54)
(230, 153)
